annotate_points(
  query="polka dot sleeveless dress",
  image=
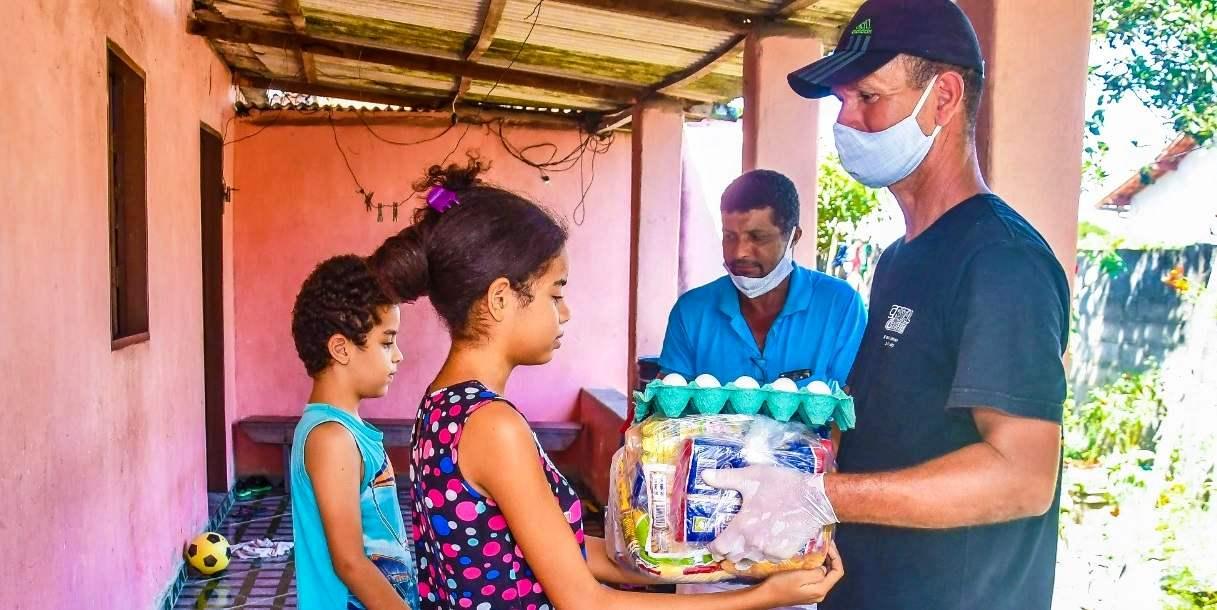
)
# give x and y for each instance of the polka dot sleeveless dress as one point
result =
(467, 557)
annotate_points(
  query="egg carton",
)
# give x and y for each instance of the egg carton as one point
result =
(809, 408)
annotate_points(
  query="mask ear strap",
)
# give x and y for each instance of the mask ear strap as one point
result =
(925, 95)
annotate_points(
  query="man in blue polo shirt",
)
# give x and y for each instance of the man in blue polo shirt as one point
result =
(768, 317)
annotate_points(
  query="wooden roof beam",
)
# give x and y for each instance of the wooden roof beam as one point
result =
(703, 66)
(488, 24)
(725, 51)
(675, 81)
(489, 19)
(615, 120)
(247, 34)
(721, 20)
(706, 64)
(308, 66)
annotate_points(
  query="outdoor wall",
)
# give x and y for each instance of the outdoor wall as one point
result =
(1126, 323)
(1179, 208)
(712, 154)
(104, 468)
(297, 205)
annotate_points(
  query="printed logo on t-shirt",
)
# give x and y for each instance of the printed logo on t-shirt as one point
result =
(898, 319)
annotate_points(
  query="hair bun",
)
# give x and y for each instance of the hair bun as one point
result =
(400, 264)
(454, 177)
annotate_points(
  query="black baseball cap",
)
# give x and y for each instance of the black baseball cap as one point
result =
(937, 30)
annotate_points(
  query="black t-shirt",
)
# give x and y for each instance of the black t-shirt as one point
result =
(972, 312)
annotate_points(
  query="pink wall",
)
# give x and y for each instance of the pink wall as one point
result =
(104, 462)
(779, 125)
(296, 205)
(1030, 128)
(655, 229)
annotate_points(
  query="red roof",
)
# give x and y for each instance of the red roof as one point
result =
(1166, 162)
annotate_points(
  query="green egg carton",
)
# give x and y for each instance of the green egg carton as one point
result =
(782, 406)
(844, 414)
(672, 400)
(745, 401)
(808, 408)
(711, 400)
(822, 407)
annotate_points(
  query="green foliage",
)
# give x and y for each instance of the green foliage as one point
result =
(1189, 593)
(1114, 458)
(1120, 418)
(1109, 260)
(1089, 231)
(1100, 247)
(842, 203)
(1164, 52)
(1178, 507)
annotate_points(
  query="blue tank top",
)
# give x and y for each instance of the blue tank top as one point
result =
(385, 540)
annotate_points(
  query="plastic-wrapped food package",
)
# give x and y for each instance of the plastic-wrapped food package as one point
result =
(662, 514)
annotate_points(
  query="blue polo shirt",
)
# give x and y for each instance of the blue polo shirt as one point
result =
(818, 331)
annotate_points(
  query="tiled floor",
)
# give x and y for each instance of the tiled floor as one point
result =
(249, 584)
(269, 584)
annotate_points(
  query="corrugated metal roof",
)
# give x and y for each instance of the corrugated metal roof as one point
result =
(756, 7)
(453, 15)
(628, 50)
(829, 14)
(270, 100)
(608, 34)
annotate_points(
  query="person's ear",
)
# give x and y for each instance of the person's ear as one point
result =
(947, 98)
(340, 348)
(798, 234)
(498, 299)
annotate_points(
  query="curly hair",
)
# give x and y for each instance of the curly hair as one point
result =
(453, 257)
(340, 297)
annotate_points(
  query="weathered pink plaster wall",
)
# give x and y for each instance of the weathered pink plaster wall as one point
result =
(103, 458)
(297, 205)
(780, 126)
(1030, 130)
(655, 228)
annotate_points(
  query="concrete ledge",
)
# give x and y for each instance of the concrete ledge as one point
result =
(279, 429)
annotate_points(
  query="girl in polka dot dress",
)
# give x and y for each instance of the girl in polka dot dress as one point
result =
(496, 526)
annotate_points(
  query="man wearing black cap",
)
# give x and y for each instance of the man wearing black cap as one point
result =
(948, 490)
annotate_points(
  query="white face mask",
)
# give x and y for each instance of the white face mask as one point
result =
(883, 158)
(753, 287)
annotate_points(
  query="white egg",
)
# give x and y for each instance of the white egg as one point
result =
(747, 383)
(819, 387)
(674, 379)
(782, 384)
(706, 380)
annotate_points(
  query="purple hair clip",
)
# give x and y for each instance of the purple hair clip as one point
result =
(440, 199)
